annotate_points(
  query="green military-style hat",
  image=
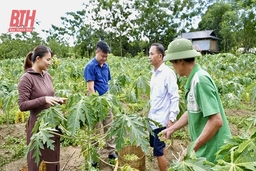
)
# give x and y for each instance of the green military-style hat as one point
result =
(180, 49)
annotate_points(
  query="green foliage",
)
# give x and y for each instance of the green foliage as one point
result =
(238, 153)
(234, 76)
(39, 140)
(128, 26)
(238, 121)
(133, 126)
(18, 45)
(75, 26)
(61, 49)
(191, 162)
(83, 114)
(14, 147)
(167, 14)
(182, 103)
(87, 110)
(67, 140)
(233, 22)
(47, 124)
(128, 98)
(249, 95)
(181, 134)
(8, 117)
(8, 103)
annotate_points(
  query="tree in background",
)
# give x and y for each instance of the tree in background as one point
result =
(18, 45)
(130, 27)
(246, 24)
(233, 22)
(213, 17)
(75, 27)
(114, 17)
(162, 20)
(126, 23)
(58, 48)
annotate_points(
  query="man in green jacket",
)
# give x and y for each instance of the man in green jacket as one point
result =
(205, 116)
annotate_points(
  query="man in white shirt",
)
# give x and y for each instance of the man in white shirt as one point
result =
(164, 101)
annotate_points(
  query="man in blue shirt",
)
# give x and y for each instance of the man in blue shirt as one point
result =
(97, 75)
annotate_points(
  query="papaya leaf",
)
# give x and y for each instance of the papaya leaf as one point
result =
(198, 164)
(240, 156)
(53, 116)
(89, 114)
(76, 116)
(246, 144)
(40, 140)
(131, 125)
(101, 106)
(130, 96)
(137, 131)
(191, 162)
(119, 130)
(124, 78)
(115, 87)
(141, 84)
(226, 167)
(114, 102)
(247, 156)
(224, 152)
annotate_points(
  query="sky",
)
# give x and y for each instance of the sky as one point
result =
(47, 12)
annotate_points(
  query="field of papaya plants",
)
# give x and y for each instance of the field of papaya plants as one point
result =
(128, 97)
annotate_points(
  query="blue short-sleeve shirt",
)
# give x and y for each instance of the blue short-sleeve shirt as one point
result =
(100, 75)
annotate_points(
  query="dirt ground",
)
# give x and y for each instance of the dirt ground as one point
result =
(70, 156)
(72, 161)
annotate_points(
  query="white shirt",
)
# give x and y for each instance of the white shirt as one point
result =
(164, 97)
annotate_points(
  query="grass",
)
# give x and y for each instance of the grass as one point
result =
(12, 149)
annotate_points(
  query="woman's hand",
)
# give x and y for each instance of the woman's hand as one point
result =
(52, 100)
(62, 100)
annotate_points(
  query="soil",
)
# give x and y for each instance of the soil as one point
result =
(72, 161)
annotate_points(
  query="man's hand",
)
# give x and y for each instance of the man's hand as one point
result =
(183, 154)
(165, 134)
(90, 87)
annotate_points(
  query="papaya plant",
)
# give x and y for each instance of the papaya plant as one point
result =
(128, 96)
(190, 162)
(84, 112)
(237, 154)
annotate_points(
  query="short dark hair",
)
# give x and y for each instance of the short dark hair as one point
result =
(159, 48)
(102, 45)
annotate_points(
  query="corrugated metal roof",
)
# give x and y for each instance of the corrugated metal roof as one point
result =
(199, 35)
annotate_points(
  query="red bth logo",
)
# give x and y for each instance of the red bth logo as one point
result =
(22, 20)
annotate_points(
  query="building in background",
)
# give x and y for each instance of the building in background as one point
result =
(203, 41)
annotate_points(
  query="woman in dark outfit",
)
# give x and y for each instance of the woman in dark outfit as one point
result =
(36, 93)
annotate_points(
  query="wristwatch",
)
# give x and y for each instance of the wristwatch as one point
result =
(172, 119)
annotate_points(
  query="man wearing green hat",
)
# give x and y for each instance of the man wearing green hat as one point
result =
(205, 116)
